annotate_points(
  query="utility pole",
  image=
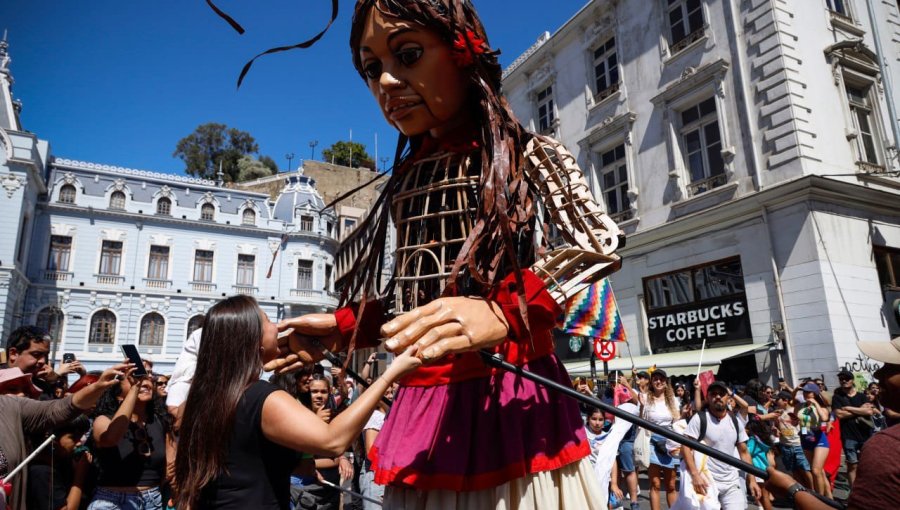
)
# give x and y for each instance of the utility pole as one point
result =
(384, 160)
(312, 148)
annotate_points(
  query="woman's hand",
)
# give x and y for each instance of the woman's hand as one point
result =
(296, 347)
(404, 363)
(447, 325)
(345, 468)
(618, 492)
(324, 415)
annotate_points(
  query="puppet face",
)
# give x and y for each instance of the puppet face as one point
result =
(410, 72)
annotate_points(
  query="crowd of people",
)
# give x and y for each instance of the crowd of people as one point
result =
(807, 431)
(115, 434)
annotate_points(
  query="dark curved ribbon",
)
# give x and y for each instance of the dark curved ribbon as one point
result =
(305, 44)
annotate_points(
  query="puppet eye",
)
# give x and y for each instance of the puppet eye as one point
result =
(409, 56)
(372, 70)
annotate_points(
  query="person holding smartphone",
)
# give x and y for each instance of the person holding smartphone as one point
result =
(132, 442)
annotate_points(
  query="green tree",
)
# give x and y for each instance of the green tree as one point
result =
(270, 163)
(250, 168)
(348, 154)
(211, 145)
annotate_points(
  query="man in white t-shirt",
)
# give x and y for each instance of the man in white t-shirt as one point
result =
(724, 434)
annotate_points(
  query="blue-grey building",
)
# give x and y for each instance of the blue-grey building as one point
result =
(104, 256)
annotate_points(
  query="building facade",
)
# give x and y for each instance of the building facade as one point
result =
(103, 256)
(748, 148)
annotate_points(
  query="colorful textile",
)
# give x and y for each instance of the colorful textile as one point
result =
(593, 313)
(479, 433)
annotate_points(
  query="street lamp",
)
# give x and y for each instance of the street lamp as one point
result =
(384, 160)
(290, 157)
(312, 149)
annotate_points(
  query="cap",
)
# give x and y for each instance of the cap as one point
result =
(885, 352)
(784, 395)
(845, 374)
(660, 372)
(643, 374)
(811, 386)
(10, 375)
(717, 384)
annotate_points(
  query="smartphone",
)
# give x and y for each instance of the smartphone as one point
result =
(68, 357)
(381, 355)
(131, 352)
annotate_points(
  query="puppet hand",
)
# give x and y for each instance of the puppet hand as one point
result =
(447, 325)
(296, 347)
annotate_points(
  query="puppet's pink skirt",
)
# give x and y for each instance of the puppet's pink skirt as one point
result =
(493, 436)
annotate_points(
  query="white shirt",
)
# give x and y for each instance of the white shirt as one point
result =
(721, 435)
(657, 411)
(376, 421)
(183, 374)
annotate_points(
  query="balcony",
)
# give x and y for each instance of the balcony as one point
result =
(693, 37)
(622, 216)
(870, 168)
(203, 286)
(109, 279)
(246, 290)
(704, 185)
(156, 283)
(56, 276)
(314, 297)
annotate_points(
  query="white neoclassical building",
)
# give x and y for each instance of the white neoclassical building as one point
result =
(103, 256)
(749, 149)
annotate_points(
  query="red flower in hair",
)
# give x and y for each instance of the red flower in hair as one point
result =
(466, 46)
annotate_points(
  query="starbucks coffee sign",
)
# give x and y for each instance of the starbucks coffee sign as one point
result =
(724, 321)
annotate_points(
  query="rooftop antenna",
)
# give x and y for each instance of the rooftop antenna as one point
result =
(220, 176)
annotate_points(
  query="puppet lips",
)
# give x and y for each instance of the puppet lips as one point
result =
(400, 107)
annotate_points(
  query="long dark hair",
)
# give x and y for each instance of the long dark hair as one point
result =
(109, 403)
(228, 361)
(505, 215)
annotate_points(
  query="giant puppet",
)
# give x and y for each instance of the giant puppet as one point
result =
(495, 230)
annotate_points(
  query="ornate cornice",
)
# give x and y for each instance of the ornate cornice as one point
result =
(84, 165)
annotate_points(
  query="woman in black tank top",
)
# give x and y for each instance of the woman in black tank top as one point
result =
(240, 436)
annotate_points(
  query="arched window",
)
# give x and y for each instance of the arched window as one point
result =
(153, 327)
(164, 206)
(194, 324)
(208, 212)
(67, 194)
(103, 328)
(51, 319)
(117, 200)
(248, 217)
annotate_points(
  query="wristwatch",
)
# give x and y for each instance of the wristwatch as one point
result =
(794, 489)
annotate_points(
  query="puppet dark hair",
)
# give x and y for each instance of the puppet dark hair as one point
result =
(505, 215)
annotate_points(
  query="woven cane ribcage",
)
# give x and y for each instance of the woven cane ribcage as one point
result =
(433, 212)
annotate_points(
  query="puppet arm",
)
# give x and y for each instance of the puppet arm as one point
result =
(591, 236)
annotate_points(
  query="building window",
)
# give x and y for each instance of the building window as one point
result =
(708, 282)
(702, 145)
(329, 228)
(248, 217)
(103, 328)
(203, 266)
(863, 123)
(606, 70)
(60, 251)
(117, 200)
(208, 212)
(614, 179)
(546, 114)
(153, 327)
(51, 320)
(67, 194)
(158, 268)
(195, 323)
(164, 206)
(685, 23)
(110, 258)
(306, 223)
(304, 274)
(887, 262)
(328, 272)
(839, 7)
(20, 252)
(245, 269)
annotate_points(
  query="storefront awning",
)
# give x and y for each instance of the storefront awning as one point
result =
(674, 363)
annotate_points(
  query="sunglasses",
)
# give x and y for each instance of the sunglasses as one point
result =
(141, 440)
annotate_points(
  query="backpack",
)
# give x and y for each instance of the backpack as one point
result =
(703, 419)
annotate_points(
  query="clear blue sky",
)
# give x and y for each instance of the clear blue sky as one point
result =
(120, 82)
